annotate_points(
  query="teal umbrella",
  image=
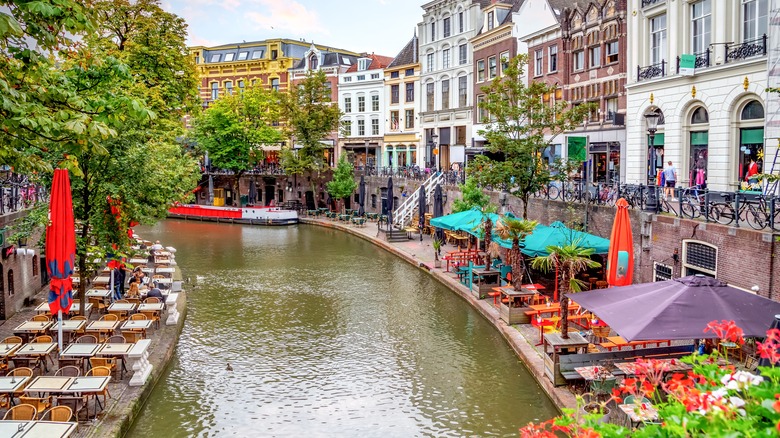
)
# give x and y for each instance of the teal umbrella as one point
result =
(557, 234)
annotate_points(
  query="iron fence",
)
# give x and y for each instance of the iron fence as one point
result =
(18, 193)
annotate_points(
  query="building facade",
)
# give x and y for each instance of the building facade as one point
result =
(582, 54)
(402, 94)
(700, 68)
(446, 113)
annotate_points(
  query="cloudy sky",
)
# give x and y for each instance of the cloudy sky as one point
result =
(379, 26)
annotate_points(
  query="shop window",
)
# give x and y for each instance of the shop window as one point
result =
(662, 272)
(699, 141)
(699, 258)
(751, 146)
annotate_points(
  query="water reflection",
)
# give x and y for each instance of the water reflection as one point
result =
(327, 336)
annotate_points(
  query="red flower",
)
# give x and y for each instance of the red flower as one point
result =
(776, 405)
(726, 330)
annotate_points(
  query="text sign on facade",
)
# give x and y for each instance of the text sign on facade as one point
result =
(687, 65)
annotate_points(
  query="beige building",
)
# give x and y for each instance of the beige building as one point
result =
(402, 95)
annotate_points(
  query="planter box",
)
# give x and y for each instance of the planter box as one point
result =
(481, 291)
(514, 315)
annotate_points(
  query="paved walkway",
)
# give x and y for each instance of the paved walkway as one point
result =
(522, 338)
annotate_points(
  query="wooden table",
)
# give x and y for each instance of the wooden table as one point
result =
(542, 323)
(639, 412)
(512, 306)
(593, 373)
(36, 429)
(553, 308)
(669, 366)
(618, 342)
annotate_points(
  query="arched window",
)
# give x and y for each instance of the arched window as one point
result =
(751, 145)
(11, 282)
(699, 147)
(313, 62)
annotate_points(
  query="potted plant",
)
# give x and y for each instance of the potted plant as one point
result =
(436, 251)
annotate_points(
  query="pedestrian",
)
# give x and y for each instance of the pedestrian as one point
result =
(670, 177)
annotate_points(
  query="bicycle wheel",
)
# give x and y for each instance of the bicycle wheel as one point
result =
(553, 192)
(722, 213)
(611, 199)
(690, 210)
(569, 195)
(755, 218)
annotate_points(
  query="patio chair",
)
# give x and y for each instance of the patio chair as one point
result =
(40, 318)
(13, 340)
(68, 371)
(102, 371)
(58, 413)
(87, 339)
(76, 404)
(109, 317)
(132, 336)
(21, 413)
(42, 339)
(40, 403)
(101, 362)
(116, 339)
(97, 304)
(152, 300)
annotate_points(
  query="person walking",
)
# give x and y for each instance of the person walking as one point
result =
(670, 176)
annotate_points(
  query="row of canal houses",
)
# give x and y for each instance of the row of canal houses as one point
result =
(699, 68)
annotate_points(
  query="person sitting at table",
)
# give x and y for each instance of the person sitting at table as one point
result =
(138, 277)
(157, 246)
(155, 293)
(133, 292)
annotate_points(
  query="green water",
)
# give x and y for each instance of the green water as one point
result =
(327, 335)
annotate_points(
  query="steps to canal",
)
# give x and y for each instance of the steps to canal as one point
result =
(394, 235)
(403, 215)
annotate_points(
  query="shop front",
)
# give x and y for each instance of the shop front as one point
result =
(605, 162)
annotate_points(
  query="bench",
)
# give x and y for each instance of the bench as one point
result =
(571, 361)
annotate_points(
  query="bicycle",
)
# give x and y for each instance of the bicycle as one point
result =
(755, 212)
(548, 191)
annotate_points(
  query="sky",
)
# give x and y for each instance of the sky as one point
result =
(379, 26)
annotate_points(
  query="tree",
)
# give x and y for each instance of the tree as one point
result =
(343, 184)
(515, 230)
(235, 126)
(310, 116)
(471, 196)
(523, 122)
(567, 261)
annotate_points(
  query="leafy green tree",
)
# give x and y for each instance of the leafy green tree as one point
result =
(471, 196)
(524, 120)
(343, 184)
(235, 126)
(310, 116)
(515, 230)
(567, 261)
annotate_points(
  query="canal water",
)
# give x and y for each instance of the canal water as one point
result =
(327, 335)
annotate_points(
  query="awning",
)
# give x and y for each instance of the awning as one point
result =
(557, 234)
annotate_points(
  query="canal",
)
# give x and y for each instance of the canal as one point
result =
(327, 335)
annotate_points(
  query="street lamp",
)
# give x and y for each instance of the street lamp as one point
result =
(652, 127)
(435, 139)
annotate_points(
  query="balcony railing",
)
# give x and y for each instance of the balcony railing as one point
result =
(748, 49)
(702, 60)
(646, 3)
(651, 71)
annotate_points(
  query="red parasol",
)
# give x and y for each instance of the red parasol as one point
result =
(620, 260)
(60, 243)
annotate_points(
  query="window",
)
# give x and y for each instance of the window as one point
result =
(753, 111)
(612, 52)
(361, 104)
(214, 91)
(491, 67)
(229, 57)
(579, 60)
(463, 56)
(361, 77)
(394, 93)
(612, 107)
(480, 70)
(242, 56)
(462, 92)
(754, 16)
(433, 31)
(538, 56)
(429, 96)
(257, 54)
(361, 127)
(429, 62)
(363, 64)
(445, 94)
(347, 104)
(751, 144)
(658, 39)
(445, 58)
(395, 74)
(393, 120)
(701, 30)
(490, 23)
(197, 59)
(594, 55)
(699, 258)
(409, 72)
(347, 78)
(228, 87)
(482, 114)
(347, 124)
(504, 57)
(410, 92)
(700, 116)
(461, 22)
(11, 290)
(275, 84)
(446, 27)
(409, 119)
(374, 75)
(241, 86)
(375, 102)
(553, 59)
(215, 58)
(460, 135)
(593, 114)
(274, 54)
(662, 272)
(313, 62)
(374, 126)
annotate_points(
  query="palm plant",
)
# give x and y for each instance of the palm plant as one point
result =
(515, 230)
(567, 260)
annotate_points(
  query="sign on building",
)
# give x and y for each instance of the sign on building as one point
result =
(687, 65)
(577, 148)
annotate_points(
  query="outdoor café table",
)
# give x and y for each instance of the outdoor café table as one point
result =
(521, 296)
(36, 429)
(12, 384)
(164, 270)
(486, 276)
(102, 280)
(76, 353)
(670, 366)
(542, 323)
(619, 342)
(121, 307)
(553, 308)
(151, 307)
(98, 293)
(147, 270)
(163, 280)
(592, 373)
(92, 385)
(141, 325)
(32, 328)
(69, 327)
(162, 261)
(639, 412)
(37, 349)
(7, 350)
(138, 261)
(116, 350)
(103, 326)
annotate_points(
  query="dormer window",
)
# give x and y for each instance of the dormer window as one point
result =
(363, 64)
(490, 20)
(313, 62)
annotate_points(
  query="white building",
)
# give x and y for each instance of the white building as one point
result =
(361, 96)
(402, 94)
(446, 58)
(711, 116)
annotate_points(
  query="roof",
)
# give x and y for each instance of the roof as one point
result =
(328, 59)
(408, 55)
(507, 13)
(377, 62)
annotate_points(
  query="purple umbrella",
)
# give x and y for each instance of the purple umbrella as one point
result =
(678, 309)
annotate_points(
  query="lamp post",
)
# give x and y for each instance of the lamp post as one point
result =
(652, 127)
(435, 150)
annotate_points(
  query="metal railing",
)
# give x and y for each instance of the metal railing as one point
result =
(702, 60)
(651, 71)
(414, 173)
(738, 209)
(18, 193)
(405, 212)
(748, 49)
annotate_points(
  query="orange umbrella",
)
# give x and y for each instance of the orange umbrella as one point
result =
(620, 260)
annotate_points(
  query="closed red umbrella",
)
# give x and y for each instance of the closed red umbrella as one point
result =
(60, 243)
(620, 260)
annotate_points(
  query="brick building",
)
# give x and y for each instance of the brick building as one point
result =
(22, 269)
(402, 94)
